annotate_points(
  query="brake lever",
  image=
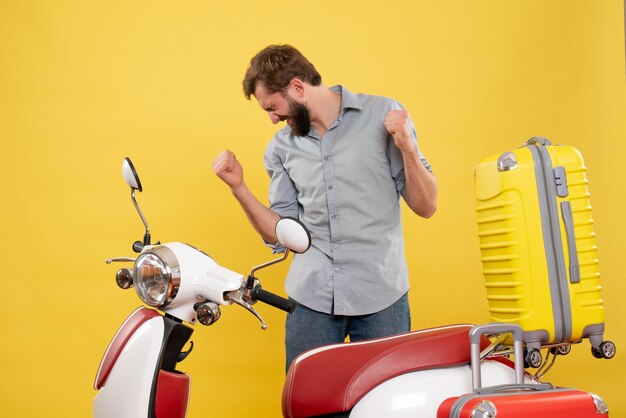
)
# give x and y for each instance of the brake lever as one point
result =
(236, 297)
(120, 259)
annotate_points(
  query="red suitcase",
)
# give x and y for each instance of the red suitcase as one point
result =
(518, 400)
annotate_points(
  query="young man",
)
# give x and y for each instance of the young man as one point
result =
(340, 166)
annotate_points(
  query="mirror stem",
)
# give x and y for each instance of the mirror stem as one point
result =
(146, 238)
(278, 260)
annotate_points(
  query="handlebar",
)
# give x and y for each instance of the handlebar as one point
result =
(272, 299)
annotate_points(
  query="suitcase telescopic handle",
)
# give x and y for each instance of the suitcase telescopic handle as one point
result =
(475, 335)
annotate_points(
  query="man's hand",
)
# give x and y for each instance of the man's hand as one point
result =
(398, 125)
(420, 192)
(228, 169)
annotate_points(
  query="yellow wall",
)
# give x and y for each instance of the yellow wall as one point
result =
(84, 84)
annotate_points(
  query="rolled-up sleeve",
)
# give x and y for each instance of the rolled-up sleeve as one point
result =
(395, 155)
(282, 192)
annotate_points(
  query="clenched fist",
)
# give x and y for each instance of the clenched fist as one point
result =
(228, 169)
(398, 124)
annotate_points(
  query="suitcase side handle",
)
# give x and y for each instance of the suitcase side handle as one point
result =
(496, 328)
(568, 221)
(537, 140)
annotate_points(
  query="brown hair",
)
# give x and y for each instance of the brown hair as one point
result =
(275, 66)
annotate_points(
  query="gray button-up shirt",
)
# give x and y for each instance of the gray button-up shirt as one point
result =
(345, 188)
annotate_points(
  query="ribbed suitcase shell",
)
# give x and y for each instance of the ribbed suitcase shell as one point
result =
(536, 275)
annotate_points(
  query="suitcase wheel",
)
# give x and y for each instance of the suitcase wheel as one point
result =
(606, 349)
(561, 350)
(533, 358)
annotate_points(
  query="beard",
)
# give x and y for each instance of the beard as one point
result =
(301, 117)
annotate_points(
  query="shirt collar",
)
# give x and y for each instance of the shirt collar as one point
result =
(349, 101)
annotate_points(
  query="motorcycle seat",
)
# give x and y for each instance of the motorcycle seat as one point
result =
(332, 379)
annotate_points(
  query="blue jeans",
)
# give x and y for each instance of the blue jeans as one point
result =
(306, 329)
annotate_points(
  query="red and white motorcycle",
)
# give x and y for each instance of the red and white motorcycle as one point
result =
(408, 375)
(137, 376)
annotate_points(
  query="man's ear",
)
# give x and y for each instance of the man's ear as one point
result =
(297, 87)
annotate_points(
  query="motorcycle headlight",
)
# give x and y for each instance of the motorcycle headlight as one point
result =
(157, 276)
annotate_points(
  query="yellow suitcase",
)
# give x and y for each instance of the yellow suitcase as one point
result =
(538, 247)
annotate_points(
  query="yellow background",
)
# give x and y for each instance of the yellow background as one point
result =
(84, 84)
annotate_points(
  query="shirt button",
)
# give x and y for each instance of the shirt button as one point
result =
(330, 187)
(333, 216)
(326, 158)
(335, 245)
(337, 270)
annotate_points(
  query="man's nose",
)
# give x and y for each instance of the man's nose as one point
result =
(274, 118)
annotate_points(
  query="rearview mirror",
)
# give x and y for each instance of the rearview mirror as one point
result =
(132, 179)
(292, 233)
(130, 174)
